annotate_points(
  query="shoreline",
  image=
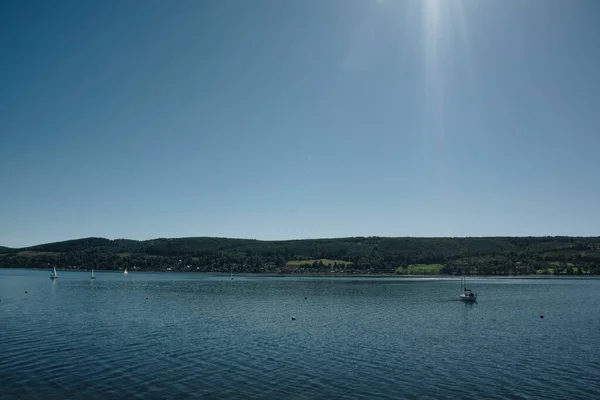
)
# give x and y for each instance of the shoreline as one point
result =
(319, 275)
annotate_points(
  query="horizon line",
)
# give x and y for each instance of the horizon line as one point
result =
(306, 238)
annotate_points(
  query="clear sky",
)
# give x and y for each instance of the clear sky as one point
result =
(298, 119)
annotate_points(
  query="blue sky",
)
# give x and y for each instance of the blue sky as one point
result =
(298, 119)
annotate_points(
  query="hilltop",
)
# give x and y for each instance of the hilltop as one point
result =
(375, 255)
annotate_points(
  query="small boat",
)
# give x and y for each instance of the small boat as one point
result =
(467, 294)
(92, 277)
(125, 273)
(53, 274)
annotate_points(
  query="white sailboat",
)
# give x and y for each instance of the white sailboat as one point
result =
(467, 294)
(125, 273)
(92, 277)
(53, 274)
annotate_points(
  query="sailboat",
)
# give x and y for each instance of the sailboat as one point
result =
(92, 277)
(467, 294)
(125, 273)
(53, 274)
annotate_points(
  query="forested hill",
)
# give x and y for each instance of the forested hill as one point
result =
(375, 255)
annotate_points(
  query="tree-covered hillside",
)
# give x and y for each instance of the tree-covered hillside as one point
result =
(375, 255)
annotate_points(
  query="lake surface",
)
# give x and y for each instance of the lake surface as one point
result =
(175, 335)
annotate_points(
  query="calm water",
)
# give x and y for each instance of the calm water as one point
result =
(156, 336)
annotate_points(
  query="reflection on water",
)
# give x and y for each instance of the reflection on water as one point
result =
(197, 335)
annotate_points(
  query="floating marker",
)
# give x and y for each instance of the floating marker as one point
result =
(293, 318)
(541, 315)
(146, 298)
(305, 297)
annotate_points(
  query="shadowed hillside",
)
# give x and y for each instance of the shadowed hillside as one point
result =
(365, 255)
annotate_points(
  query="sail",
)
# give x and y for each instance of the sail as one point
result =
(54, 272)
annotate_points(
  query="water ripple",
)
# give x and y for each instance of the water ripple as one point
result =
(155, 337)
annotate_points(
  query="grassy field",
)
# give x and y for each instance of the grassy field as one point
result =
(560, 264)
(325, 261)
(550, 271)
(28, 253)
(420, 269)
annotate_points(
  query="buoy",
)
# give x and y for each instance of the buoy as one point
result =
(305, 297)
(541, 315)
(293, 318)
(146, 298)
(26, 291)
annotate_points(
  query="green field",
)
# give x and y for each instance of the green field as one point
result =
(420, 269)
(560, 264)
(36, 253)
(550, 271)
(327, 262)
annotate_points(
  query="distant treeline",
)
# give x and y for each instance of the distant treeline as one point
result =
(356, 255)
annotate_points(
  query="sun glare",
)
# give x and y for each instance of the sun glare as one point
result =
(446, 37)
(431, 24)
